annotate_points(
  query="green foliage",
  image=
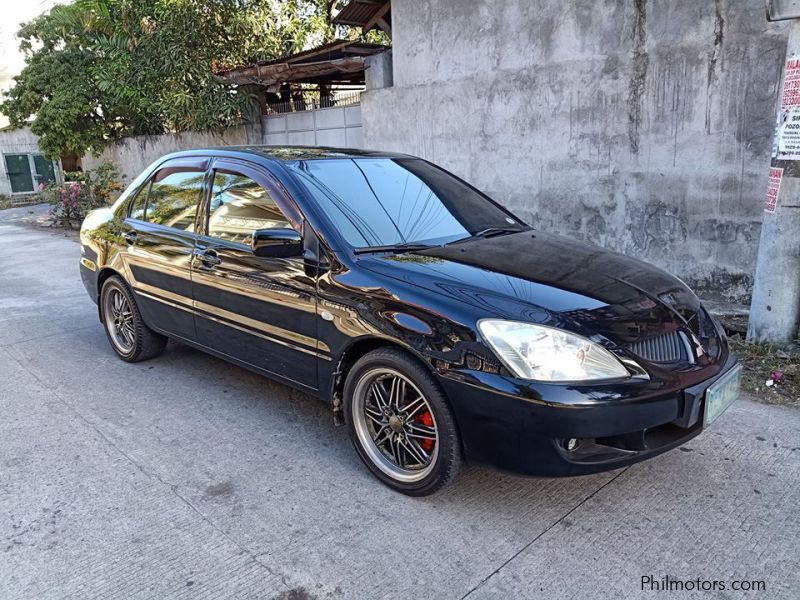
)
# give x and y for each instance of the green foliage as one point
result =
(72, 200)
(100, 185)
(98, 70)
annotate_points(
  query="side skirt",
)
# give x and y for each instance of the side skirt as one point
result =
(245, 365)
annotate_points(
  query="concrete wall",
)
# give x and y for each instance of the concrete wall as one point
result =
(338, 126)
(642, 126)
(15, 141)
(132, 155)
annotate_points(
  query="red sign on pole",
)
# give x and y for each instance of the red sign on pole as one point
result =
(791, 84)
(773, 189)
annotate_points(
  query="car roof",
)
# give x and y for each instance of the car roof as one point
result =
(286, 153)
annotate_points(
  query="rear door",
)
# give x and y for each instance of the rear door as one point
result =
(261, 311)
(160, 233)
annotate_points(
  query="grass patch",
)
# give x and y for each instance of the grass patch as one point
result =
(759, 361)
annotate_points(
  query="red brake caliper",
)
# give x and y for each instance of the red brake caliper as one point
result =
(426, 419)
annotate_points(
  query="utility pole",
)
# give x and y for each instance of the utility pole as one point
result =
(775, 307)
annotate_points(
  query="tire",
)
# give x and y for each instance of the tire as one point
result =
(393, 431)
(130, 338)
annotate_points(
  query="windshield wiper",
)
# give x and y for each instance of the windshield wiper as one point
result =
(487, 233)
(393, 248)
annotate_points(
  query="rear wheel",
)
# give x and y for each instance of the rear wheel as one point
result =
(131, 339)
(400, 423)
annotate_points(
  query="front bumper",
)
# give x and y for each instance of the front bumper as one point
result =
(523, 427)
(89, 270)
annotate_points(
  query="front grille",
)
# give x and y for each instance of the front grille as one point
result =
(665, 348)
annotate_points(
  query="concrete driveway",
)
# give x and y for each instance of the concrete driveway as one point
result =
(186, 477)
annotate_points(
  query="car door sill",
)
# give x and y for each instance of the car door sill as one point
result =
(246, 365)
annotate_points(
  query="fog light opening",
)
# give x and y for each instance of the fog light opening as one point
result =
(571, 444)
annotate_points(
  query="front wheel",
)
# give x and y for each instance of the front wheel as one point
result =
(131, 339)
(400, 423)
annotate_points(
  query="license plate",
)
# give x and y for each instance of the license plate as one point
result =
(722, 394)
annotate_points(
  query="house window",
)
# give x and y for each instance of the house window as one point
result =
(26, 171)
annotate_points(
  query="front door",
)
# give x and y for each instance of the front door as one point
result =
(160, 235)
(261, 311)
(27, 171)
(18, 167)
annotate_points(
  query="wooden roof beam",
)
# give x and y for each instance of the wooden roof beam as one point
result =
(378, 20)
(272, 76)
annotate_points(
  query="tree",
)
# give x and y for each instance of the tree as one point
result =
(98, 70)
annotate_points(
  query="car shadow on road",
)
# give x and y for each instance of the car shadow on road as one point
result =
(278, 407)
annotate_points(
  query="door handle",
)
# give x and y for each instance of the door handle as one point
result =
(208, 257)
(130, 237)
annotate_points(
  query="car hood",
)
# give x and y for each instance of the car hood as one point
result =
(538, 277)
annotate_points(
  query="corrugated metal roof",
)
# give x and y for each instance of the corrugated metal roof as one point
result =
(358, 12)
(338, 60)
(334, 50)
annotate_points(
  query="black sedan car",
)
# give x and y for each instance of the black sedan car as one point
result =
(437, 325)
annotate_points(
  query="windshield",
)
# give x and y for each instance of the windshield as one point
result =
(392, 201)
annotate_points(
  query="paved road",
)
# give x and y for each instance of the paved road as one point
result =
(186, 477)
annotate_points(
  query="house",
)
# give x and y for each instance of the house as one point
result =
(24, 168)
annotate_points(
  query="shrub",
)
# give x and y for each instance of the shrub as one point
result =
(84, 191)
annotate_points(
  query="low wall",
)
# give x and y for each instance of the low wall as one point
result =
(338, 126)
(132, 155)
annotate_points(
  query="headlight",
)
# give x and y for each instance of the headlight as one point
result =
(548, 354)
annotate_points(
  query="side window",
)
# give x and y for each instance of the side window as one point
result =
(172, 198)
(239, 206)
(139, 201)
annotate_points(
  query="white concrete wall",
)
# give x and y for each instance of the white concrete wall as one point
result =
(642, 126)
(15, 141)
(132, 155)
(336, 126)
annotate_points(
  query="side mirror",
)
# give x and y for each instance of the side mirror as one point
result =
(277, 243)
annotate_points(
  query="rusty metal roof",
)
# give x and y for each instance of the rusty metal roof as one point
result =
(331, 51)
(340, 60)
